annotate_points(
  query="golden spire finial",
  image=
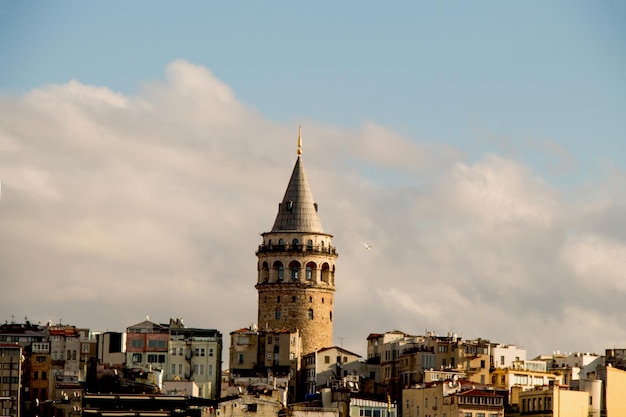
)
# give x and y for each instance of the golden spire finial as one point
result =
(299, 140)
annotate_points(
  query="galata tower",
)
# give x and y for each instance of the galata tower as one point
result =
(296, 268)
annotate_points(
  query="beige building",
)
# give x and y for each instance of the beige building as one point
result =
(296, 268)
(332, 367)
(195, 355)
(614, 389)
(554, 401)
(524, 376)
(452, 399)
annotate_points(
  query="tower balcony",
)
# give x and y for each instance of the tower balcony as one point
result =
(326, 250)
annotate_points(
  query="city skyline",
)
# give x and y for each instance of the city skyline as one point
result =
(479, 151)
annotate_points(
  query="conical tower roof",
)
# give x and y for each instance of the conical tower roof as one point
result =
(298, 211)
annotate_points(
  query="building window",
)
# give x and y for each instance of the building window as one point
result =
(180, 368)
(136, 343)
(173, 369)
(152, 358)
(281, 273)
(294, 272)
(293, 299)
(202, 352)
(502, 360)
(309, 244)
(278, 299)
(210, 351)
(309, 273)
(310, 314)
(173, 351)
(210, 370)
(85, 348)
(36, 375)
(157, 343)
(278, 314)
(44, 375)
(326, 359)
(269, 340)
(310, 299)
(136, 358)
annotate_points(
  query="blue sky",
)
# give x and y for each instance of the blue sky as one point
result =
(452, 72)
(426, 124)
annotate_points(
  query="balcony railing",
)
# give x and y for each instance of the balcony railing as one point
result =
(297, 248)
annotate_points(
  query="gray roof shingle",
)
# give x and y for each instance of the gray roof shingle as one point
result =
(298, 211)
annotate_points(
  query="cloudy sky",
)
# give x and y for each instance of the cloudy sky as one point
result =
(479, 147)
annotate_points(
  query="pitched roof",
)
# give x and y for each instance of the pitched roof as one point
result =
(298, 210)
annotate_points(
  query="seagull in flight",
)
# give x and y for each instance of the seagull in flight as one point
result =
(367, 246)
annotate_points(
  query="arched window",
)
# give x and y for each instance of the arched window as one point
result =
(294, 267)
(278, 314)
(326, 273)
(309, 244)
(269, 243)
(278, 267)
(322, 300)
(281, 243)
(295, 243)
(310, 299)
(309, 273)
(310, 314)
(265, 272)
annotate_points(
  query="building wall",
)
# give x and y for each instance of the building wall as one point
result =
(503, 356)
(111, 348)
(243, 353)
(297, 300)
(10, 379)
(554, 402)
(615, 387)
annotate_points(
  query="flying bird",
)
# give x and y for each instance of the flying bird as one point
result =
(367, 246)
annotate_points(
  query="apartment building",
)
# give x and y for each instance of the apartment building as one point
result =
(38, 371)
(554, 401)
(503, 356)
(65, 351)
(10, 379)
(111, 349)
(194, 355)
(331, 367)
(524, 376)
(451, 399)
(146, 345)
(268, 357)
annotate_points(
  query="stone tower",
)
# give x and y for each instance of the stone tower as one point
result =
(296, 268)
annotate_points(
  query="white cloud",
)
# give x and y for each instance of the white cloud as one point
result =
(114, 207)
